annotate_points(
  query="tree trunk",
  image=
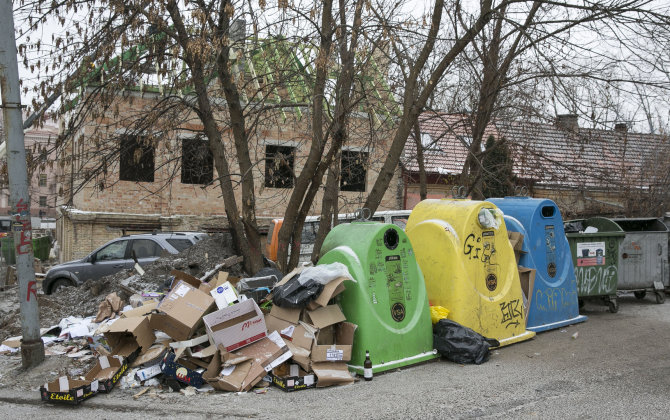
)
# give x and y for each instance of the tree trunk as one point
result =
(415, 103)
(423, 189)
(328, 206)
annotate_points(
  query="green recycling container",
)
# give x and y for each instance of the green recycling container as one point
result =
(388, 301)
(595, 257)
(41, 248)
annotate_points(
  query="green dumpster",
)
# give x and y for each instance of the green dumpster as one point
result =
(41, 248)
(594, 246)
(388, 302)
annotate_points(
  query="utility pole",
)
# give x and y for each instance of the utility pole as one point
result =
(32, 347)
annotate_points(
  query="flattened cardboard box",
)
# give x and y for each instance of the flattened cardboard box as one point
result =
(173, 369)
(66, 390)
(236, 326)
(263, 353)
(299, 334)
(107, 372)
(230, 378)
(330, 290)
(181, 311)
(128, 336)
(527, 278)
(329, 373)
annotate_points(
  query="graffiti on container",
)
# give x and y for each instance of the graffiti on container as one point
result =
(512, 314)
(473, 246)
(553, 298)
(595, 280)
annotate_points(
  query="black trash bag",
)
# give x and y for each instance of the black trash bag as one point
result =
(296, 293)
(573, 227)
(460, 344)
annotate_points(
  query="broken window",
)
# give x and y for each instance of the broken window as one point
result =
(279, 166)
(353, 170)
(197, 162)
(136, 159)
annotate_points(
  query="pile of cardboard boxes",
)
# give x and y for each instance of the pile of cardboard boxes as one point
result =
(208, 333)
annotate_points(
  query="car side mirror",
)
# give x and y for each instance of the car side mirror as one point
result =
(92, 258)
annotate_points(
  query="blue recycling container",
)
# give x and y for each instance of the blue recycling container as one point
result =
(553, 301)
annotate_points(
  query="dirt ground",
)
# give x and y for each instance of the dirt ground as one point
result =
(84, 301)
(616, 367)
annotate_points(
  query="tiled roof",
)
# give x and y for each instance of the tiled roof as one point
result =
(551, 155)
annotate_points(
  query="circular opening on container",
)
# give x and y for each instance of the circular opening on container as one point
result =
(624, 256)
(391, 239)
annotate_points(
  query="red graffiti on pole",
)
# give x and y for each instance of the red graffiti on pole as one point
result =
(25, 241)
(32, 289)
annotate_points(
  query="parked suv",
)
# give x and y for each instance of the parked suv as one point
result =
(117, 255)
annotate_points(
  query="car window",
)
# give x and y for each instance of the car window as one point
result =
(400, 221)
(113, 251)
(179, 244)
(309, 231)
(146, 248)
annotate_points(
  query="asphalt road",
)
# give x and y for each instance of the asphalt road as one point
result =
(617, 367)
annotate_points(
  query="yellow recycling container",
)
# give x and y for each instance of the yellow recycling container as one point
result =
(469, 266)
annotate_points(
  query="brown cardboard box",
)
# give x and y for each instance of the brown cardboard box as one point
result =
(263, 354)
(335, 347)
(187, 278)
(236, 326)
(515, 239)
(527, 277)
(106, 372)
(329, 373)
(299, 334)
(233, 376)
(330, 290)
(181, 311)
(143, 310)
(128, 335)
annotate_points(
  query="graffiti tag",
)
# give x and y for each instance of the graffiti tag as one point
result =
(511, 314)
(552, 298)
(595, 280)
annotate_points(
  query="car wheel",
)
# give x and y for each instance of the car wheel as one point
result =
(59, 284)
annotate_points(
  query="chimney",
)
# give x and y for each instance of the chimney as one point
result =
(238, 30)
(567, 122)
(621, 127)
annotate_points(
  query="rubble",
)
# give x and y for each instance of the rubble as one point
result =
(173, 337)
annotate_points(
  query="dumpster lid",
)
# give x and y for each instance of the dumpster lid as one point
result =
(641, 224)
(605, 226)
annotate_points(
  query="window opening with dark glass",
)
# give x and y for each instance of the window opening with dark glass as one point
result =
(197, 162)
(43, 200)
(279, 166)
(353, 170)
(136, 159)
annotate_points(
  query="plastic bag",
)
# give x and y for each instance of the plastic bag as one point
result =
(460, 344)
(489, 218)
(326, 273)
(295, 293)
(437, 313)
(306, 286)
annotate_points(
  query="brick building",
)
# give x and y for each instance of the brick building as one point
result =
(41, 163)
(585, 171)
(118, 182)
